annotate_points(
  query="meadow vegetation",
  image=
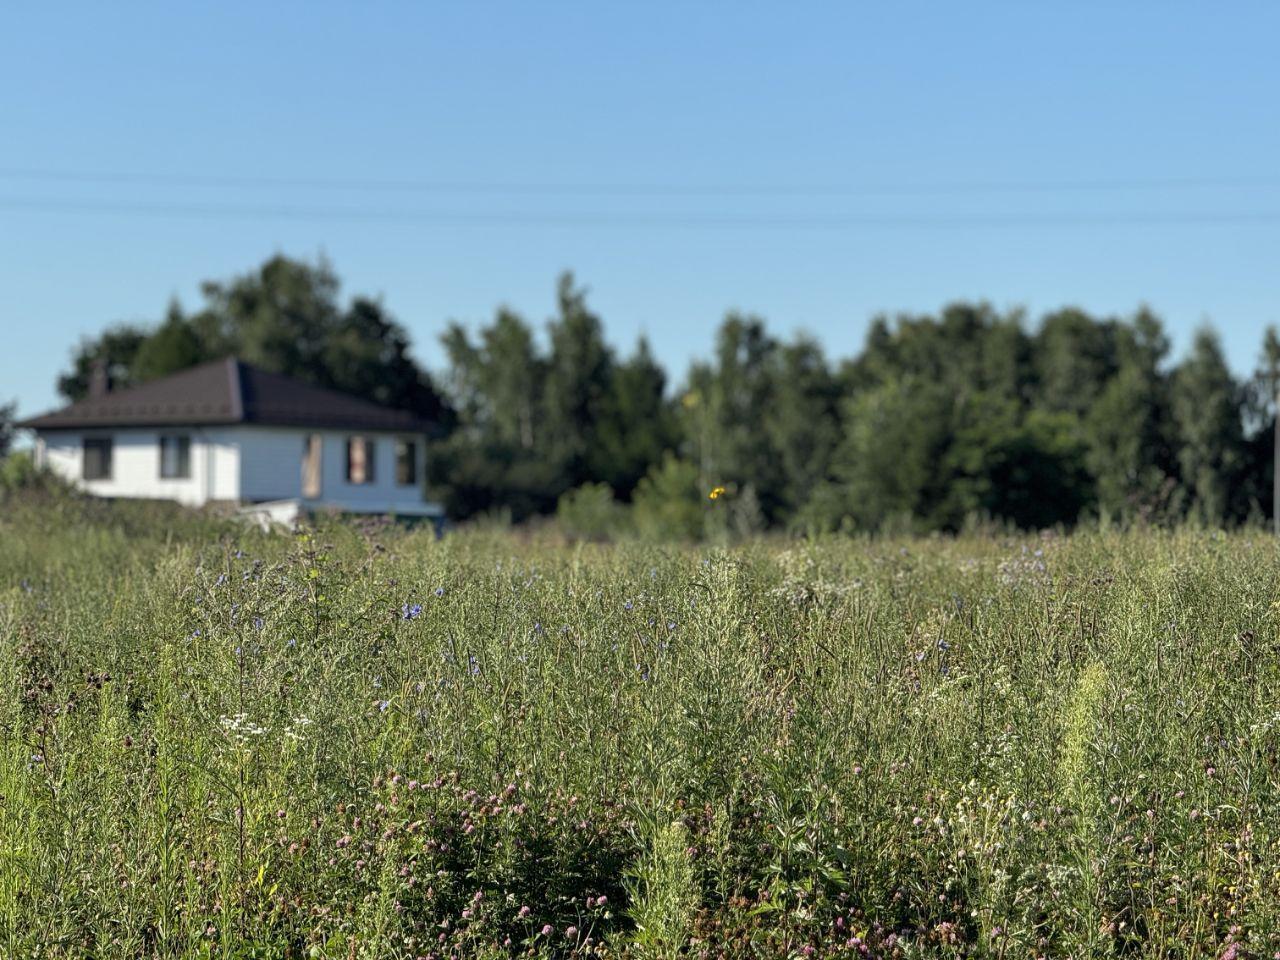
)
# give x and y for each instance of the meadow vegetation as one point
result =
(356, 741)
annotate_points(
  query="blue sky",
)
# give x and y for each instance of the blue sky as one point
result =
(813, 163)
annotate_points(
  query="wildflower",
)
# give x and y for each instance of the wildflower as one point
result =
(439, 591)
(383, 706)
(716, 493)
(571, 932)
(523, 912)
(257, 623)
(547, 929)
(411, 612)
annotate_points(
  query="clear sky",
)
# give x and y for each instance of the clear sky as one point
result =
(813, 163)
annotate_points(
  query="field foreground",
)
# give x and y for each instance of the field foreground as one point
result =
(360, 742)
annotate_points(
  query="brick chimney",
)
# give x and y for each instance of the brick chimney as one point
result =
(99, 379)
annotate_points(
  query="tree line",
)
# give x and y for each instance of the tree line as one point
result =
(938, 419)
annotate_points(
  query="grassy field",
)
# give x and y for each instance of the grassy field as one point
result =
(361, 742)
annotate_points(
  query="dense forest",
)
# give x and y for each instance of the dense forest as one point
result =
(938, 420)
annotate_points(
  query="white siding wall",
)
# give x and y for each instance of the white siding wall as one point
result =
(135, 464)
(271, 469)
(248, 464)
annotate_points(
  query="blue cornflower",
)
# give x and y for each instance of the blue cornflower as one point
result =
(411, 612)
(439, 591)
(257, 623)
(222, 578)
(384, 706)
(627, 605)
(474, 665)
(537, 628)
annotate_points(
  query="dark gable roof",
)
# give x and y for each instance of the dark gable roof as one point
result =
(227, 392)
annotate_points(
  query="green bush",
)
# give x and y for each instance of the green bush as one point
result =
(590, 512)
(669, 504)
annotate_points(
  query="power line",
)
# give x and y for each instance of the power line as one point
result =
(165, 209)
(495, 188)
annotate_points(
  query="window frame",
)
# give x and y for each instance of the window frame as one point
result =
(312, 450)
(370, 473)
(183, 441)
(409, 444)
(104, 442)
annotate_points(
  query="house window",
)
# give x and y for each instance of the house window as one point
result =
(406, 463)
(360, 451)
(311, 447)
(175, 457)
(96, 462)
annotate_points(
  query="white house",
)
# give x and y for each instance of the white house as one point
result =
(227, 432)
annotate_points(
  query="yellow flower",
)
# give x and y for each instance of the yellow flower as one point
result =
(716, 493)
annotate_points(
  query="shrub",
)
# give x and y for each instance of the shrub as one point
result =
(668, 502)
(590, 512)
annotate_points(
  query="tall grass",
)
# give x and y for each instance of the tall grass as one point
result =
(358, 741)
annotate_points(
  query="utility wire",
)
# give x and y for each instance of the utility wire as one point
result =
(46, 205)
(476, 188)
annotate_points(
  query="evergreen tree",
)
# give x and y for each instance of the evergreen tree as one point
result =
(726, 407)
(638, 425)
(173, 346)
(1206, 412)
(801, 426)
(117, 347)
(496, 457)
(284, 317)
(577, 388)
(1127, 427)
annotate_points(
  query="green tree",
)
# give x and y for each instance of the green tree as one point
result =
(669, 502)
(1206, 411)
(1126, 429)
(801, 426)
(637, 426)
(117, 347)
(495, 458)
(1074, 357)
(7, 412)
(896, 436)
(1260, 426)
(285, 317)
(726, 405)
(173, 346)
(577, 387)
(1027, 469)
